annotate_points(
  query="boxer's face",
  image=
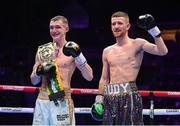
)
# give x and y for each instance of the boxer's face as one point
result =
(57, 29)
(119, 26)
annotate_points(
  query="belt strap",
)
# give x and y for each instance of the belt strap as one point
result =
(55, 84)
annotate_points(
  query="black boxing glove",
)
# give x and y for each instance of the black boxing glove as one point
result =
(48, 70)
(72, 49)
(147, 22)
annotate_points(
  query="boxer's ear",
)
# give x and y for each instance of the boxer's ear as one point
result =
(67, 28)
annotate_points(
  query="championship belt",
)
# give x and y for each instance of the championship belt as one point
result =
(46, 53)
(54, 87)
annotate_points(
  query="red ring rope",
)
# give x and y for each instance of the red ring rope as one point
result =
(89, 91)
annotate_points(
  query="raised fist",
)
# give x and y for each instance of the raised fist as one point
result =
(147, 22)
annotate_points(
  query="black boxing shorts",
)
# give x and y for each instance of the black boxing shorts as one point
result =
(123, 105)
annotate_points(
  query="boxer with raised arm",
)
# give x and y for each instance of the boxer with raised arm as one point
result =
(119, 102)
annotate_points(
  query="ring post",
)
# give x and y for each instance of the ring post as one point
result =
(151, 112)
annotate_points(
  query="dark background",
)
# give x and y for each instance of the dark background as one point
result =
(25, 25)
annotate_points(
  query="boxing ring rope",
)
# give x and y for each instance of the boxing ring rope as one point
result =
(89, 91)
(88, 111)
(150, 111)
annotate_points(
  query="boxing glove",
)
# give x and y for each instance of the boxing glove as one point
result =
(72, 49)
(97, 108)
(48, 70)
(147, 22)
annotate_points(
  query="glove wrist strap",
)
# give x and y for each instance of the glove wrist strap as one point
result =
(155, 32)
(80, 60)
(99, 99)
(36, 78)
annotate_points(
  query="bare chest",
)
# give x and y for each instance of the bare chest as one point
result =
(64, 61)
(121, 56)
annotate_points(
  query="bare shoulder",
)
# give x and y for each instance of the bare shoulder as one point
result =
(139, 41)
(108, 48)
